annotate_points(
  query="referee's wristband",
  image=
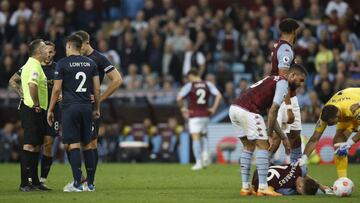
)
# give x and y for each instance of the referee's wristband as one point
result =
(288, 106)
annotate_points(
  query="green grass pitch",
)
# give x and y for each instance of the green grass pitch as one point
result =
(160, 183)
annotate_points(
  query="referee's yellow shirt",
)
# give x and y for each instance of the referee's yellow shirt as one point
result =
(32, 72)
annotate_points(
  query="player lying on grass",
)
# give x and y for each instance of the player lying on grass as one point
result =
(343, 110)
(291, 179)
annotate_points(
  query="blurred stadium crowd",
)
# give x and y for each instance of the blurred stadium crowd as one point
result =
(154, 43)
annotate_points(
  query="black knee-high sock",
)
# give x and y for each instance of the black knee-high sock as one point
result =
(68, 155)
(96, 155)
(89, 160)
(46, 162)
(25, 168)
(75, 161)
(34, 168)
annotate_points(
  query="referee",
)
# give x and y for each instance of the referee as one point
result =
(33, 117)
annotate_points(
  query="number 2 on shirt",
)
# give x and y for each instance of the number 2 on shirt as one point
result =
(81, 75)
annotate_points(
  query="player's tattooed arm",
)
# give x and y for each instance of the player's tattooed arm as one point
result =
(273, 112)
(283, 137)
(15, 84)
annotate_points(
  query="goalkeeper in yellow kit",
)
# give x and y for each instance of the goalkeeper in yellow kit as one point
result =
(343, 109)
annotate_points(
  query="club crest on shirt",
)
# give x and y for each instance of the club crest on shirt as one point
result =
(286, 59)
(35, 76)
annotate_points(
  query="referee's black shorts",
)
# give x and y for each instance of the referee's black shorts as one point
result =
(34, 125)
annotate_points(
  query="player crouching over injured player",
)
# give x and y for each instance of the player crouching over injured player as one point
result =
(291, 179)
(245, 115)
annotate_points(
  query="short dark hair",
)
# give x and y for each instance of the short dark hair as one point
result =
(298, 68)
(310, 186)
(193, 71)
(84, 35)
(33, 45)
(75, 40)
(329, 112)
(49, 43)
(288, 25)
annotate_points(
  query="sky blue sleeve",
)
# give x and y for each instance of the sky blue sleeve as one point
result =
(280, 91)
(285, 56)
(185, 90)
(287, 191)
(212, 88)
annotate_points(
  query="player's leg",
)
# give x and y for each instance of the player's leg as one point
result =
(259, 134)
(30, 151)
(88, 153)
(71, 118)
(195, 131)
(294, 133)
(205, 143)
(94, 141)
(341, 162)
(262, 166)
(245, 165)
(46, 159)
(75, 162)
(39, 132)
(196, 147)
(242, 120)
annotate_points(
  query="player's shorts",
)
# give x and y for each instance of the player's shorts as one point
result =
(34, 125)
(198, 125)
(250, 124)
(351, 126)
(54, 130)
(282, 116)
(77, 123)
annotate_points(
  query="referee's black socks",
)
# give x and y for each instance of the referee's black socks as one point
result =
(34, 161)
(25, 168)
(29, 168)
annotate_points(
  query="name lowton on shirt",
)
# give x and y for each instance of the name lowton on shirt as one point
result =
(79, 64)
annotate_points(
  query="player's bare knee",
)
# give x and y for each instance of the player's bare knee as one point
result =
(74, 146)
(87, 146)
(93, 144)
(248, 145)
(47, 147)
(262, 144)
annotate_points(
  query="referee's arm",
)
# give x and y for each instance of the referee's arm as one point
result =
(33, 89)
